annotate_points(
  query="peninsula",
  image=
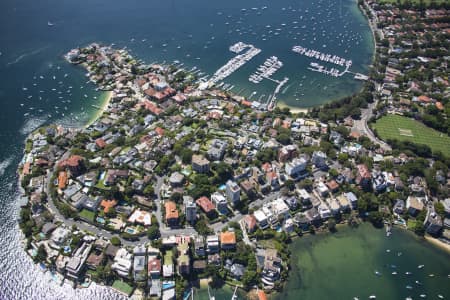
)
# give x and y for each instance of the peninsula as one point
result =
(173, 183)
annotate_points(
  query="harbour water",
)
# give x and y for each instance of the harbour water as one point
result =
(343, 265)
(37, 86)
(346, 264)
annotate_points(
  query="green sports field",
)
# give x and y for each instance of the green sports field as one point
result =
(402, 128)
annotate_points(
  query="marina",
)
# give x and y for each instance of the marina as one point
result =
(232, 65)
(268, 68)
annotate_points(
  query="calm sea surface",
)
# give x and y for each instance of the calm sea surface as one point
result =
(38, 87)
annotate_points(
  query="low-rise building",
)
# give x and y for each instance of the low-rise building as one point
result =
(433, 222)
(212, 244)
(261, 219)
(228, 240)
(122, 262)
(77, 261)
(171, 213)
(200, 163)
(414, 205)
(220, 201)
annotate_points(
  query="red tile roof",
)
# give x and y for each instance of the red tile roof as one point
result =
(205, 204)
(100, 143)
(228, 238)
(171, 210)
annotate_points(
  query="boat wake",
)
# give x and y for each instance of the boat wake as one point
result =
(31, 124)
(22, 56)
(5, 164)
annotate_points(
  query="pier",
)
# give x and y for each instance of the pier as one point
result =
(271, 103)
(231, 66)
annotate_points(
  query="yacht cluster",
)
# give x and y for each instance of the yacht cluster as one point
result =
(334, 59)
(269, 67)
(232, 65)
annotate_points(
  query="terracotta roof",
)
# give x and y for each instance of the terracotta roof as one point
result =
(262, 295)
(62, 180)
(100, 143)
(250, 222)
(227, 238)
(26, 168)
(73, 161)
(171, 210)
(205, 204)
(154, 265)
(152, 107)
(246, 103)
(107, 204)
(159, 131)
(424, 98)
(332, 185)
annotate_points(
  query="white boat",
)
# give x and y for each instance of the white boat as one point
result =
(420, 266)
(50, 23)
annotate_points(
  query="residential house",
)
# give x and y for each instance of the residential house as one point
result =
(122, 262)
(220, 201)
(319, 160)
(414, 205)
(286, 153)
(228, 240)
(212, 244)
(190, 209)
(250, 223)
(433, 222)
(77, 262)
(183, 259)
(261, 219)
(399, 207)
(199, 246)
(200, 163)
(206, 205)
(363, 176)
(171, 213)
(296, 168)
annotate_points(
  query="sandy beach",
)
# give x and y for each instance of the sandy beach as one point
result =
(438, 243)
(294, 110)
(105, 99)
(204, 282)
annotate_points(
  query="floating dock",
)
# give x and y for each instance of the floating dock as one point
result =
(231, 66)
(268, 68)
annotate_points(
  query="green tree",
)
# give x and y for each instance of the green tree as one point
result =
(115, 241)
(153, 232)
(331, 225)
(290, 184)
(41, 254)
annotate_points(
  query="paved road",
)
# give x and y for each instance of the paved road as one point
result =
(362, 127)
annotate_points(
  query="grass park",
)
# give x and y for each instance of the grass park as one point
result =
(403, 128)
